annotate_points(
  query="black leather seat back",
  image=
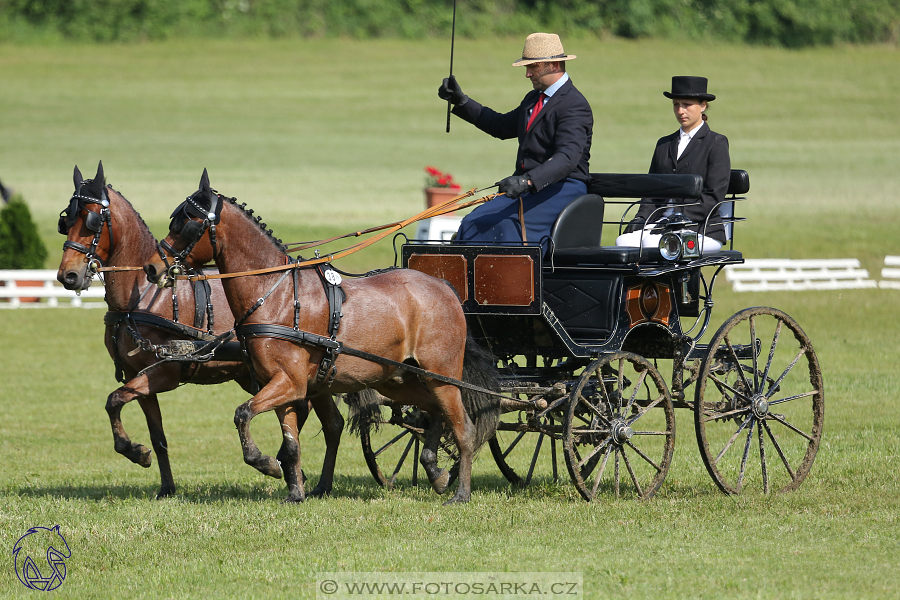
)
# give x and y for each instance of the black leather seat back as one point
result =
(579, 224)
(739, 183)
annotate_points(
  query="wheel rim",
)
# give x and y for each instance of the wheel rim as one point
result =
(759, 414)
(522, 456)
(391, 450)
(620, 429)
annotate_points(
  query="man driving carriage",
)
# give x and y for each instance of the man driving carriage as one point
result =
(554, 125)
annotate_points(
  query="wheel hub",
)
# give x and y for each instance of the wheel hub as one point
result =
(621, 432)
(760, 406)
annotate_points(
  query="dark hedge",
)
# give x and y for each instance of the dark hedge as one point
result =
(791, 23)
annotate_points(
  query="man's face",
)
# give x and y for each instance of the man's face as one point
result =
(543, 74)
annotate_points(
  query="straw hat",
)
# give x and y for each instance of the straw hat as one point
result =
(542, 47)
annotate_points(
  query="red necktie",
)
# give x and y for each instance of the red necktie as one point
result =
(537, 108)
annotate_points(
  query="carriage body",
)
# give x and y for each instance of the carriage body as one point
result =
(579, 332)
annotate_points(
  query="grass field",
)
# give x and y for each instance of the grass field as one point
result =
(322, 137)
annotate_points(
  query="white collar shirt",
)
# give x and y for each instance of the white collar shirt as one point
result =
(685, 138)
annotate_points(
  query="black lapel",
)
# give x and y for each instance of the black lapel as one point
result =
(549, 103)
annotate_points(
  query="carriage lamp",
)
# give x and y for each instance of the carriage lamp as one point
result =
(670, 246)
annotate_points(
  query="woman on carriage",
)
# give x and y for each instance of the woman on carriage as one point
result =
(694, 149)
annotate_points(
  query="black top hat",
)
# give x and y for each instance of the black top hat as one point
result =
(689, 87)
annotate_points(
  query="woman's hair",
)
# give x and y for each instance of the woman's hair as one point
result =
(703, 114)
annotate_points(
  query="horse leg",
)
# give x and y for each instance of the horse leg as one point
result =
(150, 405)
(332, 426)
(456, 418)
(292, 417)
(271, 396)
(439, 478)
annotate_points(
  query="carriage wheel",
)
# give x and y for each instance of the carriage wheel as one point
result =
(520, 452)
(760, 403)
(392, 449)
(614, 440)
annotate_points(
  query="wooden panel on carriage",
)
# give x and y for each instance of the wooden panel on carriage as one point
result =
(452, 268)
(491, 280)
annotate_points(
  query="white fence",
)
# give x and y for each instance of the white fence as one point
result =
(28, 288)
(780, 274)
(890, 278)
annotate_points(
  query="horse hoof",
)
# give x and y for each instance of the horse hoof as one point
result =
(439, 484)
(293, 499)
(268, 466)
(140, 455)
(320, 492)
(165, 492)
(457, 499)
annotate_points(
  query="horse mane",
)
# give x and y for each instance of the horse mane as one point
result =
(140, 219)
(257, 220)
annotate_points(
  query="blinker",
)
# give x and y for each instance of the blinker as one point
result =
(93, 221)
(192, 231)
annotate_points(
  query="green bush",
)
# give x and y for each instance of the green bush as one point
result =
(20, 245)
(790, 23)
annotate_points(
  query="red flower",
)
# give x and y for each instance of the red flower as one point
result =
(438, 179)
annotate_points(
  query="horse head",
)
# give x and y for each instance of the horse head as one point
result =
(87, 244)
(191, 241)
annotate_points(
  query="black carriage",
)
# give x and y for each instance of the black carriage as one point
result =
(597, 345)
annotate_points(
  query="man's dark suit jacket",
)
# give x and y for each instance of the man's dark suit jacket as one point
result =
(557, 146)
(706, 155)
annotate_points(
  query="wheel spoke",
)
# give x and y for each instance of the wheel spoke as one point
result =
(616, 464)
(592, 408)
(514, 443)
(401, 461)
(797, 397)
(778, 381)
(593, 453)
(740, 481)
(753, 353)
(631, 472)
(637, 388)
(725, 385)
(620, 382)
(778, 449)
(659, 399)
(719, 416)
(781, 420)
(772, 349)
(738, 362)
(762, 459)
(733, 438)
(392, 442)
(644, 456)
(534, 457)
(600, 472)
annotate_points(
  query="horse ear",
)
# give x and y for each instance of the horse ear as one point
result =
(204, 181)
(99, 176)
(77, 177)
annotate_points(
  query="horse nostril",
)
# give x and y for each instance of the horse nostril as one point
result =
(71, 278)
(150, 270)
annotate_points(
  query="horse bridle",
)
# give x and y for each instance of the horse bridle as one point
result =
(93, 222)
(190, 231)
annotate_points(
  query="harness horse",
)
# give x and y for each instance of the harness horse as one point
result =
(105, 234)
(401, 333)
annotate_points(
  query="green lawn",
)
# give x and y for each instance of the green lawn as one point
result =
(326, 136)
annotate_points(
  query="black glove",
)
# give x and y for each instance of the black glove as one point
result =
(451, 91)
(513, 186)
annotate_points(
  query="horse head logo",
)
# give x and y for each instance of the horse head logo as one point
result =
(40, 541)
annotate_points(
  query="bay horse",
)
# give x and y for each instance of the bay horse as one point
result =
(288, 325)
(102, 228)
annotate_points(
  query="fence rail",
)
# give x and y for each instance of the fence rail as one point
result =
(38, 288)
(890, 277)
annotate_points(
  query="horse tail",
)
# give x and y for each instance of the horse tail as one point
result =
(483, 408)
(364, 411)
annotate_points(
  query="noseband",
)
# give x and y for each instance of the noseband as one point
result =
(93, 222)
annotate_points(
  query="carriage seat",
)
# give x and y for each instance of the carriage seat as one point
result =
(576, 232)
